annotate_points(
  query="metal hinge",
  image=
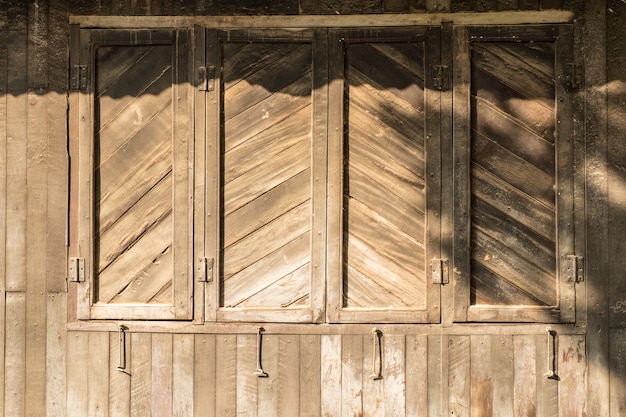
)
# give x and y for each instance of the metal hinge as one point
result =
(205, 269)
(441, 77)
(77, 269)
(573, 76)
(79, 77)
(439, 269)
(574, 268)
(206, 76)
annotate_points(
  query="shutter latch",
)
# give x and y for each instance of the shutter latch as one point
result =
(439, 271)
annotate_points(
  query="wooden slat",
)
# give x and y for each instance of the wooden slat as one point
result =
(119, 381)
(331, 374)
(459, 377)
(352, 375)
(182, 375)
(618, 371)
(573, 376)
(417, 376)
(289, 379)
(56, 356)
(97, 392)
(204, 366)
(481, 378)
(226, 372)
(503, 357)
(3, 190)
(394, 380)
(77, 377)
(525, 374)
(162, 372)
(141, 373)
(374, 402)
(268, 388)
(14, 358)
(247, 390)
(310, 383)
(437, 375)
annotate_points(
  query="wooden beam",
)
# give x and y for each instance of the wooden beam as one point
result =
(225, 22)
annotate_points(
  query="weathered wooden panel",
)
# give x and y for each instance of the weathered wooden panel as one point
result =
(506, 269)
(267, 166)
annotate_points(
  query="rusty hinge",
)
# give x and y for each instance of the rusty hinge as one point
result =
(77, 269)
(439, 269)
(574, 268)
(206, 77)
(79, 77)
(441, 77)
(573, 76)
(205, 269)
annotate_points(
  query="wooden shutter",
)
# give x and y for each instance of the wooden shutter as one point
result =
(384, 162)
(271, 148)
(135, 143)
(513, 175)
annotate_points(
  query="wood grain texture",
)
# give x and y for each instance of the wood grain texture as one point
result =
(141, 374)
(204, 375)
(56, 357)
(161, 402)
(15, 365)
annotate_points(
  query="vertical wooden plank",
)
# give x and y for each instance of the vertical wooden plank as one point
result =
(247, 382)
(331, 375)
(98, 373)
(141, 374)
(288, 375)
(503, 379)
(352, 375)
(310, 376)
(15, 355)
(268, 388)
(459, 375)
(525, 375)
(618, 372)
(572, 376)
(547, 389)
(226, 374)
(461, 136)
(394, 353)
(161, 397)
(417, 376)
(16, 146)
(77, 377)
(204, 381)
(373, 390)
(119, 380)
(56, 355)
(36, 196)
(437, 377)
(182, 374)
(481, 379)
(3, 190)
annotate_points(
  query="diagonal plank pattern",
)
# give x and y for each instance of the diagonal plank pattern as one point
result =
(384, 182)
(133, 174)
(513, 174)
(266, 171)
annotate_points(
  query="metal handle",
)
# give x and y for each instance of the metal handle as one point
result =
(122, 344)
(551, 355)
(259, 344)
(378, 348)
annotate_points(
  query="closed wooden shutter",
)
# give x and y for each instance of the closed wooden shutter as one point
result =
(135, 172)
(517, 216)
(384, 159)
(272, 176)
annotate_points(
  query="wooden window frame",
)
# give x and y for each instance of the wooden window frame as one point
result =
(565, 309)
(82, 180)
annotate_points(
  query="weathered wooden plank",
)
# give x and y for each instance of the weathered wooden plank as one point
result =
(572, 372)
(141, 373)
(374, 401)
(525, 375)
(547, 390)
(119, 378)
(352, 373)
(182, 375)
(98, 365)
(162, 372)
(618, 372)
(437, 376)
(481, 378)
(288, 369)
(14, 358)
(417, 375)
(204, 382)
(331, 375)
(268, 389)
(77, 378)
(310, 383)
(3, 191)
(226, 362)
(394, 378)
(459, 357)
(247, 390)
(503, 380)
(56, 355)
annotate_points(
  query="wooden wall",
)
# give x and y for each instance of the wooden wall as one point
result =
(47, 370)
